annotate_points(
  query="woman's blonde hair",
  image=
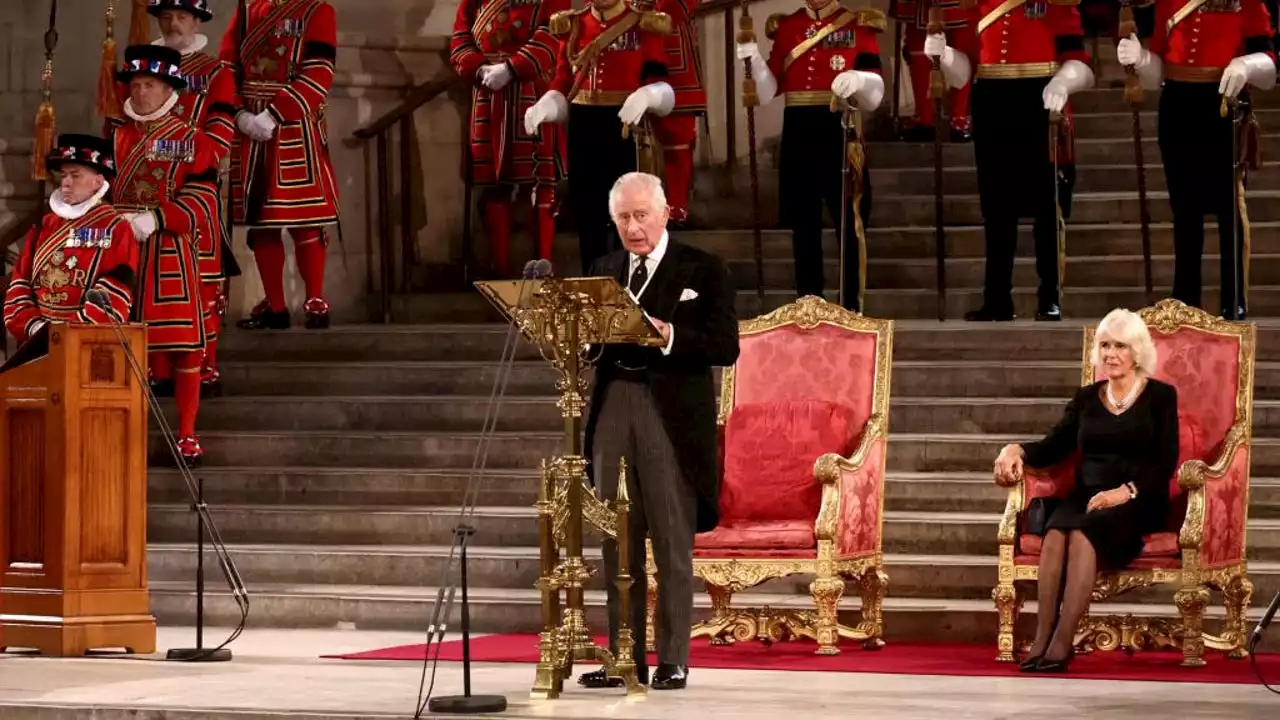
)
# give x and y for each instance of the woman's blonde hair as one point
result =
(1126, 327)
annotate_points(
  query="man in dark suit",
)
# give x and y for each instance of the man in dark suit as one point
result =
(657, 408)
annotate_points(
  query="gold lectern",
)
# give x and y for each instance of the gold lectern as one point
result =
(568, 320)
(73, 495)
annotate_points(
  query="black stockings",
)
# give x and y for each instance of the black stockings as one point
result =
(1068, 567)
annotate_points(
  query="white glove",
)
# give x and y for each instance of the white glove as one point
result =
(495, 76)
(657, 97)
(551, 107)
(935, 46)
(251, 125)
(1072, 77)
(1130, 52)
(1255, 69)
(847, 83)
(955, 66)
(144, 224)
(265, 124)
(766, 85)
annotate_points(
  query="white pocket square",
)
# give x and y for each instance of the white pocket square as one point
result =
(688, 294)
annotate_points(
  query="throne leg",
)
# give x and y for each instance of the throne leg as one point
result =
(1191, 602)
(650, 598)
(721, 596)
(826, 591)
(1236, 595)
(1005, 596)
(873, 586)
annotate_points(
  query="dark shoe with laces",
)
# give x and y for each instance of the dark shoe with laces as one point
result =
(670, 677)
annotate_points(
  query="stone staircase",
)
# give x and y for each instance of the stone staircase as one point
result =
(336, 461)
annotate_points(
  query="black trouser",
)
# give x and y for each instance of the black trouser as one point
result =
(1196, 148)
(1016, 180)
(811, 175)
(598, 156)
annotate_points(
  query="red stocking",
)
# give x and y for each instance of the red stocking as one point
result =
(209, 293)
(186, 389)
(309, 249)
(498, 218)
(544, 220)
(161, 368)
(268, 252)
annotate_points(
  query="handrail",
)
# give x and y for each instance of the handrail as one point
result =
(417, 97)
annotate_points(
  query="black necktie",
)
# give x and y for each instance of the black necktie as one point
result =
(639, 277)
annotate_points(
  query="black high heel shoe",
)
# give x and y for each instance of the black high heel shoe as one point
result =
(1054, 666)
(1029, 665)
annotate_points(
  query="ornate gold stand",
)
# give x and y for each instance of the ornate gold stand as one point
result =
(568, 320)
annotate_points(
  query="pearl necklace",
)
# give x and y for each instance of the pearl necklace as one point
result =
(1122, 404)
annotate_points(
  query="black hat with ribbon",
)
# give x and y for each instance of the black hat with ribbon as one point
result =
(155, 60)
(198, 8)
(90, 151)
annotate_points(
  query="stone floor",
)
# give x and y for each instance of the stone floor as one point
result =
(277, 674)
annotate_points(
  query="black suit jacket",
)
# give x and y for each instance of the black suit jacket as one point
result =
(706, 336)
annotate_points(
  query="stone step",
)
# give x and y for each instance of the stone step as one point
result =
(909, 413)
(904, 532)
(508, 610)
(910, 575)
(963, 180)
(1105, 99)
(526, 377)
(264, 485)
(1082, 272)
(1086, 207)
(1115, 150)
(1086, 241)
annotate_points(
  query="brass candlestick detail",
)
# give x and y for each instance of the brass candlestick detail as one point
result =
(568, 320)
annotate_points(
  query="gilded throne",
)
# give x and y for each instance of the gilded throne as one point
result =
(1210, 361)
(803, 433)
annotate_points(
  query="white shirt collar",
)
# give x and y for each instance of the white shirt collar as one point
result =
(654, 258)
(198, 42)
(67, 211)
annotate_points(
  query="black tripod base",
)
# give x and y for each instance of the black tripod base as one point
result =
(468, 704)
(198, 655)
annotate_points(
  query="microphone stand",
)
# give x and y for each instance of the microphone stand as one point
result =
(239, 593)
(1256, 638)
(446, 590)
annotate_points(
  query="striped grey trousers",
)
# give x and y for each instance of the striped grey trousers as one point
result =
(663, 505)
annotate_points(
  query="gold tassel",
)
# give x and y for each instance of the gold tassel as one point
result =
(45, 124)
(746, 35)
(108, 101)
(139, 24)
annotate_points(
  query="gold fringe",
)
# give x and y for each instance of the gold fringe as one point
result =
(139, 24)
(1247, 242)
(747, 34)
(108, 101)
(44, 136)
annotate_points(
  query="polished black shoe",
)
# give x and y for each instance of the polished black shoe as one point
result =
(1049, 313)
(266, 320)
(984, 314)
(1241, 314)
(670, 677)
(598, 679)
(961, 135)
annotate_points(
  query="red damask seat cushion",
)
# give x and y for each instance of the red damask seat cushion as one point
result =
(1155, 545)
(768, 535)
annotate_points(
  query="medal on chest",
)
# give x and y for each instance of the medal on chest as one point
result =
(183, 151)
(629, 40)
(87, 237)
(54, 275)
(1035, 10)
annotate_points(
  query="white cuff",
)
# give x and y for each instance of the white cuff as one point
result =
(671, 339)
(955, 68)
(766, 84)
(1151, 73)
(1260, 70)
(1074, 76)
(871, 93)
(558, 106)
(662, 99)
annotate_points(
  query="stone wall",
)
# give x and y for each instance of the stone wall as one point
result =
(386, 46)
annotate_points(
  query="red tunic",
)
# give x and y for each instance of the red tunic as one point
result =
(168, 167)
(1031, 40)
(64, 259)
(1201, 44)
(512, 32)
(915, 13)
(684, 61)
(288, 61)
(629, 52)
(811, 48)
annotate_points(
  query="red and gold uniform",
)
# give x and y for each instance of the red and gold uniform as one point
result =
(73, 250)
(810, 49)
(956, 21)
(605, 56)
(287, 63)
(209, 103)
(678, 132)
(1195, 41)
(512, 33)
(1019, 51)
(167, 174)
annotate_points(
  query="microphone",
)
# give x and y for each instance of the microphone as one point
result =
(446, 590)
(239, 593)
(1264, 623)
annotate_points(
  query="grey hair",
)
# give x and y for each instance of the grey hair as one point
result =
(1126, 327)
(643, 181)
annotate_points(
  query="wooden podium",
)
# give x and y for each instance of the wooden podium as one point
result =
(73, 496)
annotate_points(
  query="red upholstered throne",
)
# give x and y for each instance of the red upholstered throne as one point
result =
(803, 431)
(1210, 361)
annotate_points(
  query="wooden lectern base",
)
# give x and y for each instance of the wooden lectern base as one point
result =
(55, 637)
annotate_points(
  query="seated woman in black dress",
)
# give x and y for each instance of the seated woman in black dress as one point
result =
(1126, 430)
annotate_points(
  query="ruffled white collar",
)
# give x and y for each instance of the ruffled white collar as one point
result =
(198, 42)
(67, 211)
(164, 109)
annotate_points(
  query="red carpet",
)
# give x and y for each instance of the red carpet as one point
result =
(896, 658)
